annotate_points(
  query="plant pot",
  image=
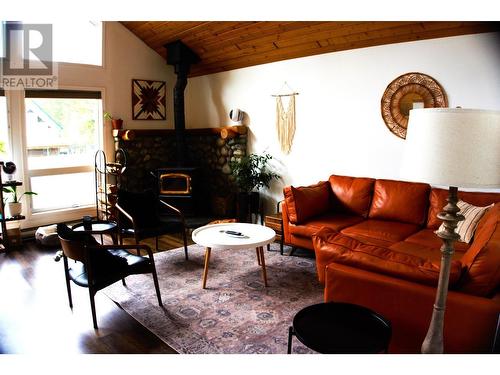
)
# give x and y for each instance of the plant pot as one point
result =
(248, 204)
(15, 208)
(254, 202)
(117, 124)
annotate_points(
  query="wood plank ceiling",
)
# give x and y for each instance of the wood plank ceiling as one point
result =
(231, 45)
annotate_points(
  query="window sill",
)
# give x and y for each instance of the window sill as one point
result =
(57, 216)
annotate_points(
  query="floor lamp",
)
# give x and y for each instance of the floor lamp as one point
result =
(456, 148)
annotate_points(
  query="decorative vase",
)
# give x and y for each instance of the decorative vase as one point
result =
(15, 208)
(117, 124)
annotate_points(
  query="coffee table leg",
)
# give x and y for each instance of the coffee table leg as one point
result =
(263, 264)
(258, 255)
(205, 270)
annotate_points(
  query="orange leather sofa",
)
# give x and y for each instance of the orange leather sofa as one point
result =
(375, 246)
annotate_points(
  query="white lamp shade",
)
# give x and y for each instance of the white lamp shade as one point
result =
(453, 147)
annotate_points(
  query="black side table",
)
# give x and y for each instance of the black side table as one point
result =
(340, 328)
(99, 227)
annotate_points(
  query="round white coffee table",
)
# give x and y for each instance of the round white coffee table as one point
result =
(215, 236)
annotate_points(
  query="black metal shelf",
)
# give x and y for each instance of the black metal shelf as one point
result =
(12, 218)
(12, 183)
(5, 241)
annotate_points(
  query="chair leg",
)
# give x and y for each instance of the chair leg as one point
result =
(137, 243)
(123, 282)
(185, 243)
(68, 286)
(92, 306)
(155, 280)
(290, 335)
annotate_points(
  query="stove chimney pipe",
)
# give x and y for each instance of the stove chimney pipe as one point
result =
(181, 57)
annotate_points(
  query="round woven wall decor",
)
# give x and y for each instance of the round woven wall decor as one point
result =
(402, 94)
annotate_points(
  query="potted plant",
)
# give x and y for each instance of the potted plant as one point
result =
(15, 206)
(117, 124)
(251, 173)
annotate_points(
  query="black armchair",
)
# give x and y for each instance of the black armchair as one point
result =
(98, 266)
(139, 217)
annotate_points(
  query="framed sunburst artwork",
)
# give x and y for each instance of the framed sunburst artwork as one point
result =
(148, 100)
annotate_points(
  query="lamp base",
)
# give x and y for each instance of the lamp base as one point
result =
(433, 342)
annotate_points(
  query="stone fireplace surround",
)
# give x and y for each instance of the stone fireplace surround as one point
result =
(210, 149)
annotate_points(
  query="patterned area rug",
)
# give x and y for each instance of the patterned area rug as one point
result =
(235, 314)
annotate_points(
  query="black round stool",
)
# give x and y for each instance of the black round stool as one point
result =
(340, 328)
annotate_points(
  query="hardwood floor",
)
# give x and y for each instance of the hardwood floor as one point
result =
(35, 317)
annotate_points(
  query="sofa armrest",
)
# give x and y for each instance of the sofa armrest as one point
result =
(483, 257)
(470, 321)
(286, 223)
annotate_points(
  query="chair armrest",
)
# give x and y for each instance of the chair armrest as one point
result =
(175, 209)
(126, 214)
(286, 223)
(279, 205)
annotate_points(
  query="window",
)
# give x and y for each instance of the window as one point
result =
(78, 42)
(4, 129)
(2, 39)
(62, 136)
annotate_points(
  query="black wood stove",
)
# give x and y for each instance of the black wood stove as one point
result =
(179, 185)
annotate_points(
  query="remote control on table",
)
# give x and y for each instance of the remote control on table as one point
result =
(233, 233)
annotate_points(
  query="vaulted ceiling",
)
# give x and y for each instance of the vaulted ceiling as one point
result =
(231, 45)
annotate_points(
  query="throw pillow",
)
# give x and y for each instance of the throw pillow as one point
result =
(466, 228)
(306, 202)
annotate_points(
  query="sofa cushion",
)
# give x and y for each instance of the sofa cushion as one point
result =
(483, 257)
(331, 246)
(333, 221)
(307, 201)
(400, 201)
(428, 238)
(422, 251)
(352, 194)
(437, 200)
(472, 215)
(389, 231)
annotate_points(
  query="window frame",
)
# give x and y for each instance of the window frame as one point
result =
(17, 110)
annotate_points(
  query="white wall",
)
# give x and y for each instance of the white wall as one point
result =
(339, 126)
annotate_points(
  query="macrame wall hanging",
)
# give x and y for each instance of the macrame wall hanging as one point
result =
(285, 119)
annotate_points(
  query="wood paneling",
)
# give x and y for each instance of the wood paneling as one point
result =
(227, 45)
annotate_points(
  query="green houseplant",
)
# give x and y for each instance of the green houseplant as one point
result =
(115, 123)
(251, 173)
(15, 205)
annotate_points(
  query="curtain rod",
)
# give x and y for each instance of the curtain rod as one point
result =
(292, 94)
